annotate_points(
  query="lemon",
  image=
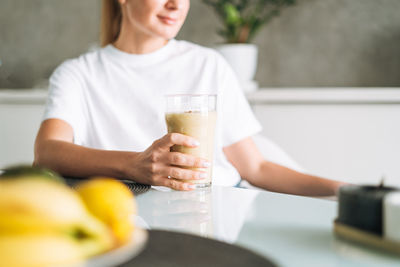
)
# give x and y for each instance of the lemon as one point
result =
(112, 202)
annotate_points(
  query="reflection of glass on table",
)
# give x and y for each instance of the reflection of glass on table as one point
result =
(189, 211)
(206, 212)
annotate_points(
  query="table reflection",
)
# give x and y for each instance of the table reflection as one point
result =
(210, 212)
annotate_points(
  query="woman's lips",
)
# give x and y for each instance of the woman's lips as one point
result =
(167, 20)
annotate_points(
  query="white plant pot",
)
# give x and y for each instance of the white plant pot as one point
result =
(243, 60)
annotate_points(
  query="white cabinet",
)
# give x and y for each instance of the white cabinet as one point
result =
(352, 135)
(20, 116)
(348, 134)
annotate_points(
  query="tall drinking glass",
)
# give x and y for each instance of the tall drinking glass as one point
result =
(195, 116)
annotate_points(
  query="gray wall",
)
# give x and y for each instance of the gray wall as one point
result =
(37, 35)
(315, 43)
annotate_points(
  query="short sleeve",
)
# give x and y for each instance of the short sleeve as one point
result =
(237, 118)
(65, 98)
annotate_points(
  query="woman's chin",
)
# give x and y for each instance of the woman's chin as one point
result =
(167, 32)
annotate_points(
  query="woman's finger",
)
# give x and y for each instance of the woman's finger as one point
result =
(175, 184)
(184, 174)
(181, 159)
(171, 139)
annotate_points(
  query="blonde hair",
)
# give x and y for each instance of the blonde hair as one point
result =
(111, 17)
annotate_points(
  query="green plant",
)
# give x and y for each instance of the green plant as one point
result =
(242, 19)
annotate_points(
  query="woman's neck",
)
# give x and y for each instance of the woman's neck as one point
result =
(138, 42)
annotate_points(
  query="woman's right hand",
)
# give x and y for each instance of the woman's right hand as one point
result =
(157, 165)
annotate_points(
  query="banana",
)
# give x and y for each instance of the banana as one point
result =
(31, 206)
(54, 202)
(35, 250)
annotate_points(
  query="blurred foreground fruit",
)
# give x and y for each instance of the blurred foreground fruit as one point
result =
(25, 171)
(46, 223)
(38, 250)
(112, 202)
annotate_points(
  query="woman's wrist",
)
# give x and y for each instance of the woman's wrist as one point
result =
(125, 165)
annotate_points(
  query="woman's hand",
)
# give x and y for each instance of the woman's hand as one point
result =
(157, 165)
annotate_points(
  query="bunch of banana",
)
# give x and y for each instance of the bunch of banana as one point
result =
(43, 222)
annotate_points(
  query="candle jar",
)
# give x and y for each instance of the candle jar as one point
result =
(361, 206)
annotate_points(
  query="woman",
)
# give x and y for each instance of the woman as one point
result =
(103, 113)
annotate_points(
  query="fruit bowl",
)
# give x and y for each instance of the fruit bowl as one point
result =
(120, 254)
(55, 225)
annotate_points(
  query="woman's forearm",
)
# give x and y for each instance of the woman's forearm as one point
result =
(69, 159)
(154, 166)
(276, 178)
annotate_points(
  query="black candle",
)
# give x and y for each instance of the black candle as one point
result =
(361, 206)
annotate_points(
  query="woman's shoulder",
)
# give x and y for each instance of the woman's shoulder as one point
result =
(79, 64)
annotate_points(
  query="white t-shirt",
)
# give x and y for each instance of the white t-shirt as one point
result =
(115, 100)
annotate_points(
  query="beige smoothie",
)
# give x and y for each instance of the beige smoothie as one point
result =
(201, 126)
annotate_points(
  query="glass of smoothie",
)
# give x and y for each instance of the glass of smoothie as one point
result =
(195, 116)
